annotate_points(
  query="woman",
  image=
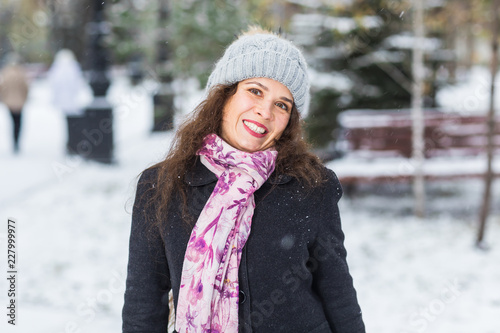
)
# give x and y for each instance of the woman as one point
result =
(239, 220)
(14, 93)
(68, 87)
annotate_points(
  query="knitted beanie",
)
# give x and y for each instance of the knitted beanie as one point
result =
(265, 55)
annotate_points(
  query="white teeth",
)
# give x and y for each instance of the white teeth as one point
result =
(254, 127)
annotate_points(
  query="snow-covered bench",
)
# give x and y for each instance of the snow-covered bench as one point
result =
(377, 145)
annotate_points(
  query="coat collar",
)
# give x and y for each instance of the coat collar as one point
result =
(199, 175)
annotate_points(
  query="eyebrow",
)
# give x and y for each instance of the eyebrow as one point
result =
(286, 99)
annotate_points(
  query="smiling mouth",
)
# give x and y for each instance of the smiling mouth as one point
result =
(254, 127)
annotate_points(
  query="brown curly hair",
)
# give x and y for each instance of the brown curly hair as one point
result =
(294, 158)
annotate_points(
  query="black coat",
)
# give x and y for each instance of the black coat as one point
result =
(293, 273)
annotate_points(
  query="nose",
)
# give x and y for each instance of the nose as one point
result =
(264, 109)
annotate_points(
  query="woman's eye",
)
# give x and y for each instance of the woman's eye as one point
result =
(282, 106)
(255, 91)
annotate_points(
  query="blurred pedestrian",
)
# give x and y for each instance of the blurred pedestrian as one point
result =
(68, 85)
(240, 221)
(13, 93)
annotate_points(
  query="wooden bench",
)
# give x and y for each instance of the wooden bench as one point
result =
(376, 145)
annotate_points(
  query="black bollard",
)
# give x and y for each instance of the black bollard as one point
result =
(99, 114)
(163, 99)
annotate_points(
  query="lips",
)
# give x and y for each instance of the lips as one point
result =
(256, 129)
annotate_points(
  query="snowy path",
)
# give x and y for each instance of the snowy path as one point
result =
(411, 276)
(73, 216)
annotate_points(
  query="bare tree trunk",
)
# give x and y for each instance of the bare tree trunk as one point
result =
(6, 14)
(417, 112)
(470, 38)
(490, 122)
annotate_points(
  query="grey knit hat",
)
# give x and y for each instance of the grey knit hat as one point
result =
(265, 55)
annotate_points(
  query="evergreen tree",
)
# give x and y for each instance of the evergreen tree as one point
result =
(67, 27)
(361, 48)
(200, 30)
(132, 36)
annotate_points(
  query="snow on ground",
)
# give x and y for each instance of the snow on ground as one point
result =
(423, 275)
(471, 94)
(73, 221)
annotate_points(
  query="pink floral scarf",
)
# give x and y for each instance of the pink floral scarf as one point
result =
(209, 290)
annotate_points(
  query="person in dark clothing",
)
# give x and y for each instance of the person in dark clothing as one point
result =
(16, 121)
(13, 93)
(240, 222)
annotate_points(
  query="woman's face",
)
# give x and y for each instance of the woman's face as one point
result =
(257, 114)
